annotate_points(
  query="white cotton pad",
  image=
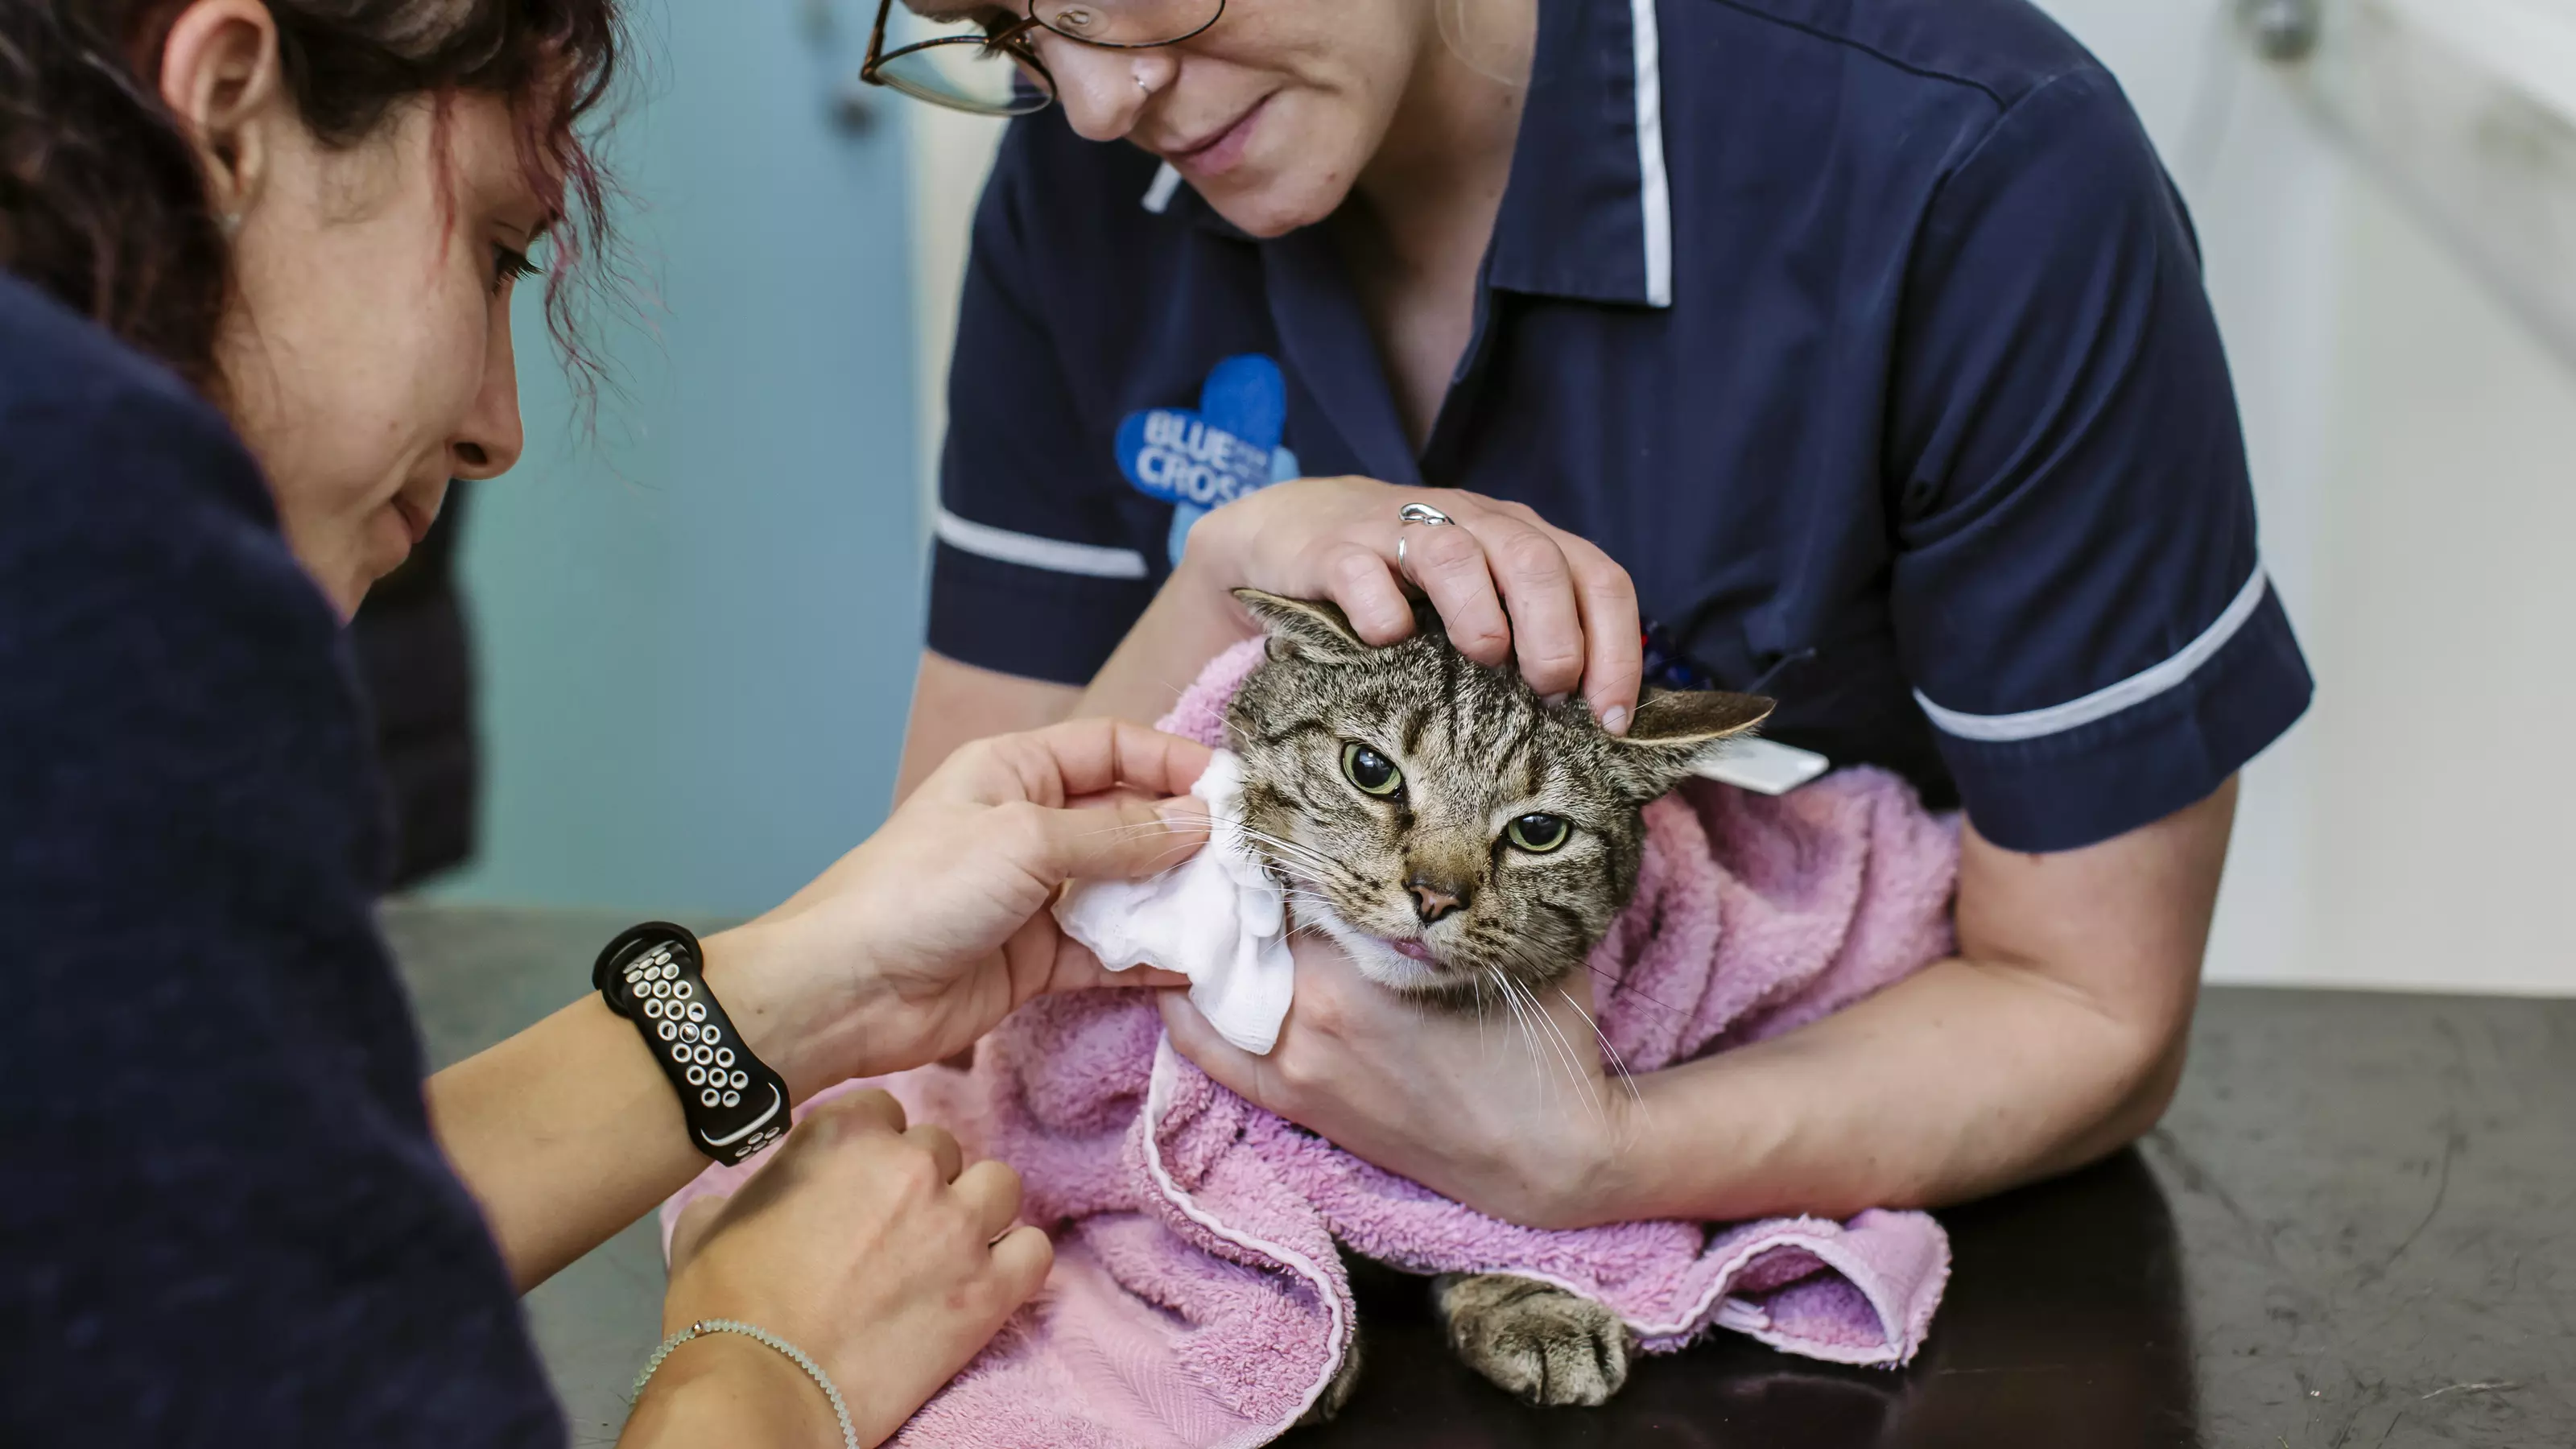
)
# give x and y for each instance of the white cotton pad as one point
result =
(1216, 918)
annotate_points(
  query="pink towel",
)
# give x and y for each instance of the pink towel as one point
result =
(1197, 1298)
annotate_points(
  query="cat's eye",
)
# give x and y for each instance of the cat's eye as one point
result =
(1539, 834)
(1372, 772)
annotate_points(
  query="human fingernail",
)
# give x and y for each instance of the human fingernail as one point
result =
(1184, 812)
(1615, 719)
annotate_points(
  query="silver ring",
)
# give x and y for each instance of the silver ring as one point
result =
(1423, 513)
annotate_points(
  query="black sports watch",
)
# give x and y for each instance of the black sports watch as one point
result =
(654, 976)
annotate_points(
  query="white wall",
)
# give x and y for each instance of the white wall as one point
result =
(2444, 748)
(2414, 451)
(2414, 448)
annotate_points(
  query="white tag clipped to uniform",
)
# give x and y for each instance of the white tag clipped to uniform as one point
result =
(1766, 767)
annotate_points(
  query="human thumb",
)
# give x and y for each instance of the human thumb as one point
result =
(1120, 839)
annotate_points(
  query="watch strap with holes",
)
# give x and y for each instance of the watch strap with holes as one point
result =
(654, 976)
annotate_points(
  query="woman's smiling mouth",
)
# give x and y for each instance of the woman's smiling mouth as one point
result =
(414, 519)
(1216, 153)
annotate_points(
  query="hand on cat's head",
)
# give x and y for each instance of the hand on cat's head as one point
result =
(1508, 584)
(1672, 729)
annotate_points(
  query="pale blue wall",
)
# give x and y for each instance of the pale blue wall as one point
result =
(697, 629)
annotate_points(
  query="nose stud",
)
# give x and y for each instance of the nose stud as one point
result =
(1431, 902)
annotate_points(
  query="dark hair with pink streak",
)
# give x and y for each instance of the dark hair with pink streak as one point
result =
(101, 199)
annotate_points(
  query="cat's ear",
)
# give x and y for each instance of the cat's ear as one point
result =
(1673, 728)
(1310, 629)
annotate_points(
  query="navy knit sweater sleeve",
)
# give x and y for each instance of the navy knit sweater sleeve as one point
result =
(223, 1219)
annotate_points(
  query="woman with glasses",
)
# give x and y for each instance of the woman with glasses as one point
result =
(1855, 353)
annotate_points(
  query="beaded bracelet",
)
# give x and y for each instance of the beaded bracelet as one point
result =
(840, 1410)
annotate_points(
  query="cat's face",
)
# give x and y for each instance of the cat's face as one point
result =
(1455, 834)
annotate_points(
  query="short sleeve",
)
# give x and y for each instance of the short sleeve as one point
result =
(1035, 572)
(2078, 594)
(227, 1220)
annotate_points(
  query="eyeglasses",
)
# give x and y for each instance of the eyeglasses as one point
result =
(994, 70)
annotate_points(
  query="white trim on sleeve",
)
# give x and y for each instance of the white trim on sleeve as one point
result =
(1030, 551)
(2103, 703)
(1654, 186)
(1158, 197)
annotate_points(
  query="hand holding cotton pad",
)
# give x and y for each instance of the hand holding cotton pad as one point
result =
(1216, 918)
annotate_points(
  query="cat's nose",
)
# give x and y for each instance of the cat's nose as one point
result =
(1432, 900)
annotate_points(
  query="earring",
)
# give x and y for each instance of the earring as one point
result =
(1141, 84)
(229, 224)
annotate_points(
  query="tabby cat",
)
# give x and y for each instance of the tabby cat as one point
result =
(1464, 841)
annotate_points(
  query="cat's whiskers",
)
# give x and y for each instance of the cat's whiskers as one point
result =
(1524, 1011)
(1583, 1083)
(1618, 1064)
(1565, 1051)
(1299, 888)
(1476, 983)
(1286, 852)
(1522, 1029)
(1296, 881)
(1290, 876)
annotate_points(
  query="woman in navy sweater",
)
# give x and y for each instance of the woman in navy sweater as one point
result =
(255, 317)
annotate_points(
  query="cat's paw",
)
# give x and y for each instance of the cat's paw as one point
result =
(1542, 1343)
(1338, 1392)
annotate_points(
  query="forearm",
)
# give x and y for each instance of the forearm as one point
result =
(568, 1131)
(564, 1133)
(2055, 1036)
(1190, 622)
(1963, 1080)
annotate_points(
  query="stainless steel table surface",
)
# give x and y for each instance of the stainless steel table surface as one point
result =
(2356, 1227)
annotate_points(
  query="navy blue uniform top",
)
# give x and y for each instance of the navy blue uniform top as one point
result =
(1868, 335)
(224, 1218)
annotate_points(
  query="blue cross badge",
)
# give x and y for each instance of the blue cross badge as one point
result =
(1206, 459)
